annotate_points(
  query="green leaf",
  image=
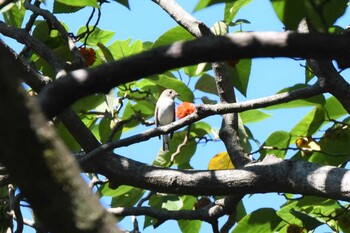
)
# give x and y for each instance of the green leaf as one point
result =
(67, 138)
(200, 129)
(107, 55)
(88, 103)
(182, 160)
(290, 12)
(308, 74)
(79, 3)
(126, 196)
(278, 139)
(168, 201)
(240, 75)
(146, 108)
(169, 82)
(128, 112)
(261, 220)
(309, 222)
(323, 14)
(95, 37)
(244, 135)
(121, 49)
(206, 100)
(206, 83)
(232, 8)
(334, 109)
(240, 211)
(189, 226)
(335, 143)
(205, 3)
(253, 116)
(175, 34)
(312, 101)
(59, 8)
(285, 214)
(124, 3)
(104, 129)
(309, 124)
(15, 15)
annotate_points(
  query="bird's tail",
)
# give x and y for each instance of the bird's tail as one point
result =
(165, 142)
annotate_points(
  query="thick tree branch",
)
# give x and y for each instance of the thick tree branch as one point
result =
(41, 167)
(270, 175)
(65, 91)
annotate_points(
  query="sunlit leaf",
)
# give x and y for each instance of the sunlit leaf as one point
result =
(334, 109)
(190, 226)
(312, 101)
(290, 12)
(88, 103)
(309, 124)
(95, 36)
(59, 8)
(168, 202)
(121, 49)
(80, 3)
(220, 161)
(253, 116)
(15, 15)
(205, 3)
(200, 129)
(276, 144)
(175, 34)
(172, 83)
(232, 8)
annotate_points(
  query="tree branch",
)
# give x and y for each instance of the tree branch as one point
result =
(270, 175)
(78, 84)
(42, 167)
(203, 111)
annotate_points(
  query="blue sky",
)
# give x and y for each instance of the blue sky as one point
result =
(147, 21)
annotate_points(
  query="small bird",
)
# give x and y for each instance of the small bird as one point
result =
(165, 113)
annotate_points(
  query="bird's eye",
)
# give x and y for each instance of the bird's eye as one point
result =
(171, 92)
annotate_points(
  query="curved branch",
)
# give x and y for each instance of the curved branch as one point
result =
(65, 91)
(203, 111)
(270, 175)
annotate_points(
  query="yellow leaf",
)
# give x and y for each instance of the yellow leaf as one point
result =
(220, 161)
(307, 145)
